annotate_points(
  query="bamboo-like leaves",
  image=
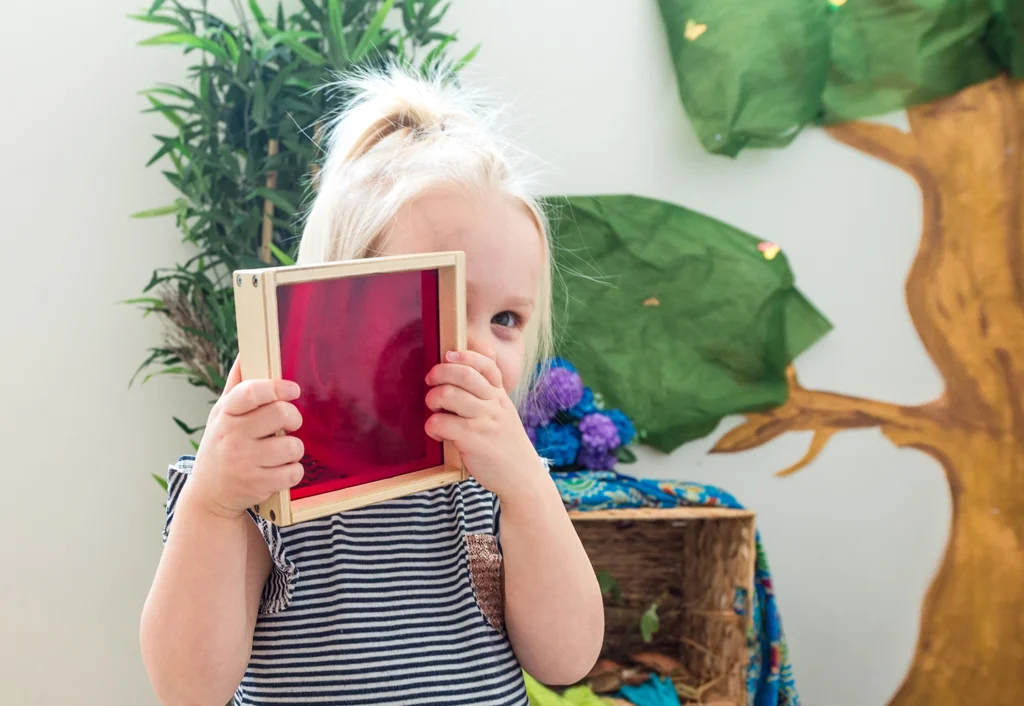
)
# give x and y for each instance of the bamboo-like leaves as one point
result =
(257, 80)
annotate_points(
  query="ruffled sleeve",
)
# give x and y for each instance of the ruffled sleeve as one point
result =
(277, 592)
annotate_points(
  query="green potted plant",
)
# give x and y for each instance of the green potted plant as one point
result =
(243, 144)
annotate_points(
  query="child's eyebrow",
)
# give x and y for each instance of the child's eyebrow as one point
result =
(525, 302)
(515, 301)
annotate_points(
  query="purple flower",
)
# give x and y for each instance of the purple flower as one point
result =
(534, 412)
(599, 433)
(627, 432)
(596, 460)
(531, 433)
(560, 389)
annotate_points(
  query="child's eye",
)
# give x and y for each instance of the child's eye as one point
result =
(507, 319)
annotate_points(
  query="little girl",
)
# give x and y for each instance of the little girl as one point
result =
(411, 601)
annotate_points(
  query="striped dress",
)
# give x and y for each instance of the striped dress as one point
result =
(399, 603)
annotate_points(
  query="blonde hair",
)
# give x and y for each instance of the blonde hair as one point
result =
(401, 136)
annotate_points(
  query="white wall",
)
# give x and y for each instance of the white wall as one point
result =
(853, 540)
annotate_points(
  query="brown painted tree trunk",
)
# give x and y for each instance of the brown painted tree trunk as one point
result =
(965, 294)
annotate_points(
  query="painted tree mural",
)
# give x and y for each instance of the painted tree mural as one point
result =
(776, 66)
(965, 293)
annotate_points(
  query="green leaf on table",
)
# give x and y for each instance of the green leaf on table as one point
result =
(625, 455)
(609, 586)
(650, 623)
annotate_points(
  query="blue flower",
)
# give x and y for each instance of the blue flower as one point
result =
(585, 406)
(627, 432)
(562, 363)
(558, 443)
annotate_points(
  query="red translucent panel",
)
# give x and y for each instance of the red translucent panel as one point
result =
(360, 349)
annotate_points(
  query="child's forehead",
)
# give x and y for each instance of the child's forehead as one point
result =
(504, 250)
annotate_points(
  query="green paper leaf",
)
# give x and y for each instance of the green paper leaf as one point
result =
(675, 317)
(609, 586)
(650, 623)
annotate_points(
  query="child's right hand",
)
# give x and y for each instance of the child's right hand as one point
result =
(242, 461)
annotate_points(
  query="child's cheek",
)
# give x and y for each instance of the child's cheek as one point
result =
(510, 363)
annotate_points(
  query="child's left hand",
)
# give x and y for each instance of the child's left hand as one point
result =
(473, 411)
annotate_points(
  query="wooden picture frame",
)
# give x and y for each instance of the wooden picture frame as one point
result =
(278, 302)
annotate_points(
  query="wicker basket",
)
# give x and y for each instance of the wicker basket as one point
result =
(698, 565)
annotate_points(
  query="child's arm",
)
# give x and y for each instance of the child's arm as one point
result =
(199, 618)
(553, 607)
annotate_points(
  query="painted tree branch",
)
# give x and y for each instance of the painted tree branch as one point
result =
(884, 142)
(826, 413)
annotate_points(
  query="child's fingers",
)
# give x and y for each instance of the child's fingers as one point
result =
(449, 398)
(253, 394)
(462, 376)
(479, 362)
(234, 376)
(272, 418)
(443, 426)
(284, 477)
(279, 451)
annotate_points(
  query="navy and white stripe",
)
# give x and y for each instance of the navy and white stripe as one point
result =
(376, 607)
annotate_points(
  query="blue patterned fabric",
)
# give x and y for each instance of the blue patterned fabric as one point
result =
(770, 675)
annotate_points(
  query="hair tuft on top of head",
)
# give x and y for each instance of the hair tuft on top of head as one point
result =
(396, 102)
(400, 136)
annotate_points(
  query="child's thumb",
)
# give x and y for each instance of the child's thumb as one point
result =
(234, 377)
